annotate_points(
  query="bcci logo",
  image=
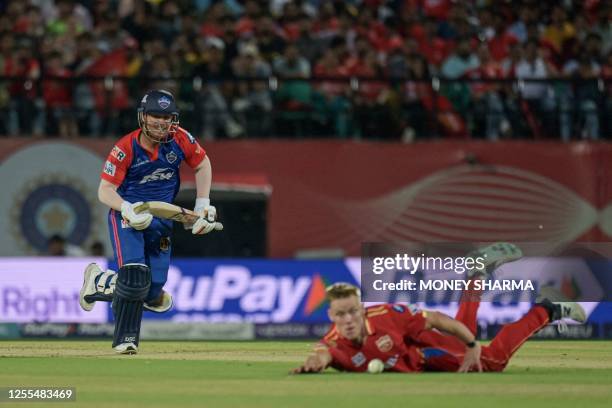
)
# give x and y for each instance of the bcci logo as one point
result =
(53, 205)
(164, 102)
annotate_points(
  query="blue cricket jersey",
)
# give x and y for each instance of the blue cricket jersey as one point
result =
(144, 176)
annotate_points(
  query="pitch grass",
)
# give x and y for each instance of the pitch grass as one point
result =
(543, 374)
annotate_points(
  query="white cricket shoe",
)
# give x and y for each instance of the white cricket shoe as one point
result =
(494, 256)
(126, 348)
(572, 310)
(89, 286)
(565, 309)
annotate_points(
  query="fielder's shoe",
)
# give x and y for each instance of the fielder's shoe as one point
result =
(126, 348)
(494, 256)
(89, 286)
(560, 307)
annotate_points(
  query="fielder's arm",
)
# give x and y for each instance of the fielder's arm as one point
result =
(442, 322)
(315, 363)
(107, 194)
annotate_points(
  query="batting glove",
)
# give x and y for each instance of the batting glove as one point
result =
(208, 216)
(137, 221)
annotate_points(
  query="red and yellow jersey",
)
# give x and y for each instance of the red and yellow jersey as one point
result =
(392, 332)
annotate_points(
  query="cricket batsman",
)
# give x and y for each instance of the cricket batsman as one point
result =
(406, 339)
(144, 166)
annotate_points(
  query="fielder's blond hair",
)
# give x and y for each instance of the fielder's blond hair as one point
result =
(341, 290)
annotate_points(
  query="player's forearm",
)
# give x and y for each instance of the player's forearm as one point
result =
(324, 357)
(108, 195)
(451, 326)
(317, 361)
(203, 179)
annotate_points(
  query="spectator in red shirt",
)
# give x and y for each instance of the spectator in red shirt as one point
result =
(26, 113)
(376, 106)
(487, 96)
(245, 26)
(502, 40)
(434, 48)
(438, 9)
(58, 96)
(334, 90)
(414, 91)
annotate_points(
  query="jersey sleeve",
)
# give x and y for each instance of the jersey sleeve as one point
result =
(117, 163)
(409, 320)
(340, 359)
(194, 153)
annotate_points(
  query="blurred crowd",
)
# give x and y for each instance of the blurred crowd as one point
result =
(370, 69)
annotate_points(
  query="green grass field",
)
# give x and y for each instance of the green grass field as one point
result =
(552, 374)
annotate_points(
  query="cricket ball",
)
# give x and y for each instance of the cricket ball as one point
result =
(376, 366)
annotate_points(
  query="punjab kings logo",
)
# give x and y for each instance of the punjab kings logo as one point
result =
(384, 343)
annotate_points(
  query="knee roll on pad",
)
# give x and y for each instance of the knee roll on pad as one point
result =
(133, 282)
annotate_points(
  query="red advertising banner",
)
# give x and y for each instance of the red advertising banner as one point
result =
(331, 194)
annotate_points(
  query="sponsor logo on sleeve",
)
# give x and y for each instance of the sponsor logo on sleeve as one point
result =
(358, 359)
(413, 309)
(391, 362)
(190, 137)
(109, 168)
(117, 153)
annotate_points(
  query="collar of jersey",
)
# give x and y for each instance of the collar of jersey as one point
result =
(369, 327)
(152, 156)
(369, 331)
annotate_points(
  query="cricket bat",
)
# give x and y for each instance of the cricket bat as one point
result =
(172, 212)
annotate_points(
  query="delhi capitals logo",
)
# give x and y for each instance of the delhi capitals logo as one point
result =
(164, 102)
(171, 157)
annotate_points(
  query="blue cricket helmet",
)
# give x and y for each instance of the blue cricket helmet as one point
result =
(159, 102)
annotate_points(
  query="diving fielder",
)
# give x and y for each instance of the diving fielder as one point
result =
(144, 166)
(406, 339)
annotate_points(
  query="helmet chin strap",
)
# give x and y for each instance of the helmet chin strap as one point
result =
(169, 134)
